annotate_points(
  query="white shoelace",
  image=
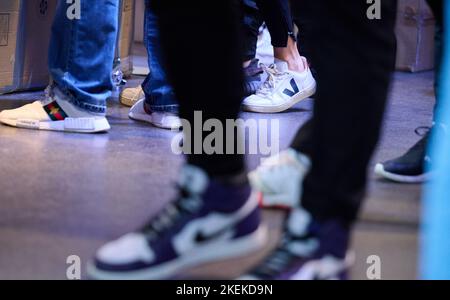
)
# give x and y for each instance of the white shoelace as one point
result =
(274, 77)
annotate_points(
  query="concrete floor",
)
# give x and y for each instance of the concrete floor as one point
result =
(67, 194)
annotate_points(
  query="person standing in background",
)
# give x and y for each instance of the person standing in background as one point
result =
(214, 216)
(412, 166)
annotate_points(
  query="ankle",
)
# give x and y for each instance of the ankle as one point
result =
(295, 65)
(290, 55)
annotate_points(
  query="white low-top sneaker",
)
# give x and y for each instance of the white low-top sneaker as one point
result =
(54, 113)
(163, 120)
(282, 89)
(279, 179)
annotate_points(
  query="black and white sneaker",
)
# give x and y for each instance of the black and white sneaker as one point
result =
(210, 221)
(408, 168)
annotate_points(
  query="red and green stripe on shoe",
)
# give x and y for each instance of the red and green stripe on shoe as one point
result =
(54, 113)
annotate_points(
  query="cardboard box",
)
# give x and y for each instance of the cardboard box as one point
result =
(139, 21)
(24, 37)
(9, 20)
(415, 36)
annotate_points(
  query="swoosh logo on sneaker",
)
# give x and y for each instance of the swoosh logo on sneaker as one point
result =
(201, 237)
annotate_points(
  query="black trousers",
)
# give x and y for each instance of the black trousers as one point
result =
(353, 56)
(202, 54)
(277, 16)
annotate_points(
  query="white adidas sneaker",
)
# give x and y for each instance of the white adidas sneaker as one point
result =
(279, 179)
(163, 120)
(282, 89)
(54, 113)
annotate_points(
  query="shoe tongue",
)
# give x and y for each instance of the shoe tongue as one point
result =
(281, 65)
(193, 179)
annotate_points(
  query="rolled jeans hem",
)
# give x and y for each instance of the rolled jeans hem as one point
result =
(164, 108)
(93, 108)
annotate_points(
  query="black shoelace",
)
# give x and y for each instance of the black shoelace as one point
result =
(185, 204)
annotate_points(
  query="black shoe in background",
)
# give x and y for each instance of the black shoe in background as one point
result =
(408, 168)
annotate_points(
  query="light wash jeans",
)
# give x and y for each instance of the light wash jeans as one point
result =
(81, 52)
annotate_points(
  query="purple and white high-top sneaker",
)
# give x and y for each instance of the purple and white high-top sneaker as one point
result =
(210, 221)
(309, 250)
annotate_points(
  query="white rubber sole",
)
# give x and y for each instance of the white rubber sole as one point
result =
(166, 122)
(304, 94)
(380, 171)
(78, 125)
(201, 255)
(172, 124)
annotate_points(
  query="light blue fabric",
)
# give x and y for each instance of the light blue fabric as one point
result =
(435, 237)
(81, 52)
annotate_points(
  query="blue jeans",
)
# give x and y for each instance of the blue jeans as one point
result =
(81, 52)
(159, 94)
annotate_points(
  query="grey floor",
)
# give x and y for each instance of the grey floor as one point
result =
(67, 194)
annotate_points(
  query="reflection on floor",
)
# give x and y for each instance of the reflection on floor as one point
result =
(65, 194)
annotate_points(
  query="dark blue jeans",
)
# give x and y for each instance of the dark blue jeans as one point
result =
(159, 94)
